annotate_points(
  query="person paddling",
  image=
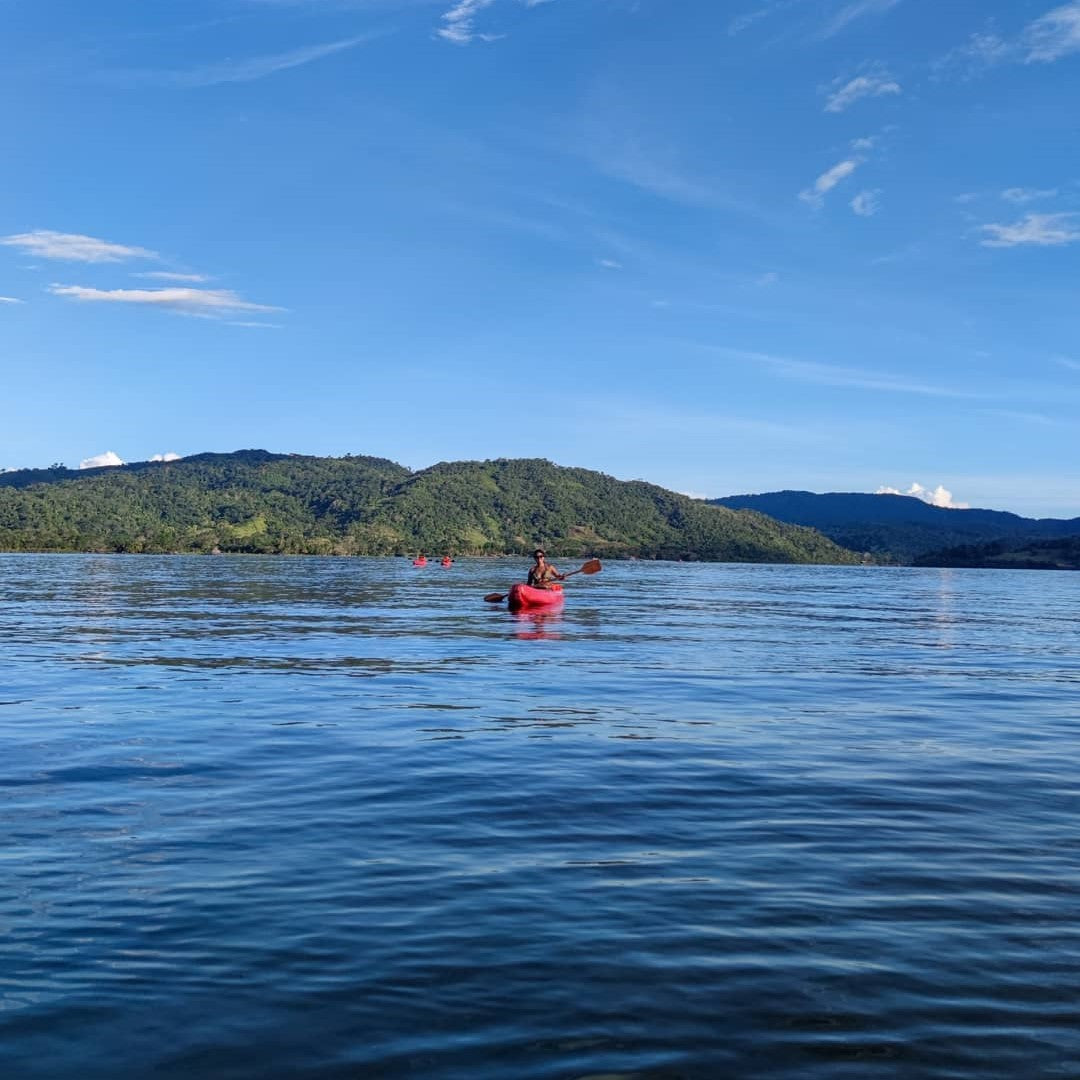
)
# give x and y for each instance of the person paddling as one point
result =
(542, 573)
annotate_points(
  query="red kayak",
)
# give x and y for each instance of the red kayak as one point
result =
(523, 597)
(419, 562)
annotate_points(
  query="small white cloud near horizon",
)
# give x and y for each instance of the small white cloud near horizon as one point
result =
(1042, 230)
(11, 300)
(101, 460)
(939, 496)
(74, 247)
(167, 456)
(865, 204)
(872, 84)
(206, 303)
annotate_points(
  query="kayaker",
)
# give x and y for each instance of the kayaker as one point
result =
(542, 573)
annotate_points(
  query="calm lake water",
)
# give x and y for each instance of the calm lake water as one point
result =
(306, 818)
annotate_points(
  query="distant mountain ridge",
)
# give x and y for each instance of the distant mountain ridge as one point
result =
(898, 527)
(257, 501)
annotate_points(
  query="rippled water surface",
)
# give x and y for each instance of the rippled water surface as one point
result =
(294, 817)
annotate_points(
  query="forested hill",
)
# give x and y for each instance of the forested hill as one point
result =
(254, 501)
(898, 527)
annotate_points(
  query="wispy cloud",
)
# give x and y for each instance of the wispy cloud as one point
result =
(854, 378)
(851, 12)
(169, 455)
(749, 18)
(170, 275)
(1067, 362)
(1042, 230)
(240, 71)
(208, 303)
(11, 300)
(1026, 195)
(865, 204)
(459, 23)
(1043, 41)
(872, 84)
(1053, 35)
(73, 247)
(609, 264)
(815, 194)
(939, 496)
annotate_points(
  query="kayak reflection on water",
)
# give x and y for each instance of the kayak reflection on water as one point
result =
(533, 625)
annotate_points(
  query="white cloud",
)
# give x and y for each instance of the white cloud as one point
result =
(11, 300)
(169, 275)
(168, 456)
(856, 10)
(99, 460)
(209, 303)
(815, 195)
(770, 277)
(940, 496)
(609, 264)
(460, 22)
(1053, 35)
(981, 51)
(1026, 195)
(873, 84)
(1043, 230)
(1046, 39)
(73, 247)
(865, 204)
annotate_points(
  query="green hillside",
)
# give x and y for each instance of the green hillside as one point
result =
(254, 501)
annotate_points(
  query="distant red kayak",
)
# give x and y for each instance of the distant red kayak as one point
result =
(419, 562)
(447, 562)
(525, 596)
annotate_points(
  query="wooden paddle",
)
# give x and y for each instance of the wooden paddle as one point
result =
(591, 567)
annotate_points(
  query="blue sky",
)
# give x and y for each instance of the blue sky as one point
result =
(724, 247)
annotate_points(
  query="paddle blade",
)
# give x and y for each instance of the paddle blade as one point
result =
(495, 597)
(591, 567)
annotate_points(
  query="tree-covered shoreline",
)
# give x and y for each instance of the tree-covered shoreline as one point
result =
(253, 501)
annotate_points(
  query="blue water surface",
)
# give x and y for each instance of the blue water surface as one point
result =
(306, 818)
